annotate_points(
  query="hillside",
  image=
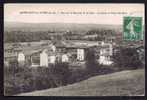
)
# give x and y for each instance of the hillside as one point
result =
(13, 26)
(125, 83)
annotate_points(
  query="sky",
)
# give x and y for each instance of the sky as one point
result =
(71, 13)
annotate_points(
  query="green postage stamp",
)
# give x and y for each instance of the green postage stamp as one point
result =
(132, 28)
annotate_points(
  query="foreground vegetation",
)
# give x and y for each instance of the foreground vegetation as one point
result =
(124, 83)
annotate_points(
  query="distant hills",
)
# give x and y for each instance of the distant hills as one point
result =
(24, 32)
(58, 27)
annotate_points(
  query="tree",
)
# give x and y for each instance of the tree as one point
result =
(91, 63)
(127, 58)
(61, 73)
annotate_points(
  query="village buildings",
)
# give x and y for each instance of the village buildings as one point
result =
(61, 51)
(72, 52)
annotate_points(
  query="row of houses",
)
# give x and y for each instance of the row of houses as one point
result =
(63, 51)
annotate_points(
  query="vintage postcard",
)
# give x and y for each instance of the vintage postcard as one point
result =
(74, 49)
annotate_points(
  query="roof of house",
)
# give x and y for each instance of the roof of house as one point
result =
(7, 46)
(78, 46)
(9, 55)
(31, 52)
(59, 44)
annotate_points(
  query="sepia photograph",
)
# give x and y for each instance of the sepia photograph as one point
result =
(77, 49)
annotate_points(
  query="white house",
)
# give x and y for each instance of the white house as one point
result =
(80, 54)
(105, 53)
(52, 59)
(44, 59)
(105, 60)
(64, 58)
(21, 57)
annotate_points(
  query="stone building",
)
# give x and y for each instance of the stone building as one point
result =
(106, 52)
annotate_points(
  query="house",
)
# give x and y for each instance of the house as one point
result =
(8, 48)
(21, 58)
(90, 36)
(11, 52)
(59, 46)
(9, 57)
(80, 54)
(70, 51)
(29, 55)
(106, 51)
(52, 59)
(64, 58)
(32, 57)
(39, 56)
(44, 58)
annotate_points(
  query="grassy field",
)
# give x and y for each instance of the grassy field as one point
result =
(124, 83)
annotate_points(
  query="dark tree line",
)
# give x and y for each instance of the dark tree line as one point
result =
(101, 32)
(28, 36)
(19, 36)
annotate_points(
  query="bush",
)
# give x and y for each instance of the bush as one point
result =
(127, 58)
(61, 72)
(24, 79)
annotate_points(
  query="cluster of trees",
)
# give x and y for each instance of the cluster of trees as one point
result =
(100, 31)
(102, 34)
(20, 36)
(127, 58)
